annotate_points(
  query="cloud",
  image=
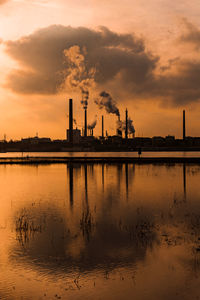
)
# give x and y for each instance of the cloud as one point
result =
(3, 1)
(123, 65)
(41, 59)
(191, 33)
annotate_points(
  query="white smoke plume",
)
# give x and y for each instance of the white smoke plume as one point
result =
(77, 74)
(131, 128)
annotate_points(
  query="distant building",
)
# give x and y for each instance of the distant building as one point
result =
(170, 139)
(35, 140)
(158, 140)
(115, 139)
(76, 136)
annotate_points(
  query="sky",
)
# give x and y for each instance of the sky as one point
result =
(144, 54)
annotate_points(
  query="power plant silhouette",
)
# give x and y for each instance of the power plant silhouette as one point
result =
(84, 139)
(74, 135)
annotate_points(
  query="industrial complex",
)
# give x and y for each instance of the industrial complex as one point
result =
(84, 140)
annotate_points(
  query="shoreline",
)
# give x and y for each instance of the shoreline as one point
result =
(109, 160)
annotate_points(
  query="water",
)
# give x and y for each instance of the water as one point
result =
(100, 231)
(102, 154)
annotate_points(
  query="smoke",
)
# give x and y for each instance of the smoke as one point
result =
(77, 74)
(85, 97)
(131, 128)
(92, 125)
(108, 103)
(119, 127)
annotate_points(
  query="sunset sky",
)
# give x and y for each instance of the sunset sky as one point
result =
(146, 55)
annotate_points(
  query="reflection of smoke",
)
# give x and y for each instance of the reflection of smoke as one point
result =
(77, 74)
(108, 103)
(131, 128)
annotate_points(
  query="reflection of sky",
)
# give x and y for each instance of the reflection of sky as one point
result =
(95, 234)
(121, 219)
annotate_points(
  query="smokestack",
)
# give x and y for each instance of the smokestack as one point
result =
(183, 124)
(102, 127)
(126, 129)
(70, 120)
(85, 133)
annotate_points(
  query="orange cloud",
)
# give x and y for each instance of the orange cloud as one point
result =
(3, 1)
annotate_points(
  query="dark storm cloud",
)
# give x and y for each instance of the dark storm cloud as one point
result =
(120, 60)
(40, 57)
(174, 89)
(191, 33)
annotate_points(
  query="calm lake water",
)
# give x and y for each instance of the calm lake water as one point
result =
(100, 231)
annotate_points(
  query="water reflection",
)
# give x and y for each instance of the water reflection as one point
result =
(184, 180)
(71, 184)
(120, 222)
(96, 238)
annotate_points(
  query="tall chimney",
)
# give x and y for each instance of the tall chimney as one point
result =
(70, 120)
(102, 118)
(126, 129)
(85, 133)
(183, 124)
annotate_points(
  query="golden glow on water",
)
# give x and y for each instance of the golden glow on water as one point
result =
(99, 231)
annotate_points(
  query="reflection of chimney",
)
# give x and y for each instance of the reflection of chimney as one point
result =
(126, 172)
(71, 185)
(103, 176)
(102, 127)
(126, 129)
(183, 124)
(70, 120)
(86, 185)
(85, 133)
(184, 180)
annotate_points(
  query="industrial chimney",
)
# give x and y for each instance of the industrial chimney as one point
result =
(183, 124)
(126, 129)
(102, 127)
(70, 120)
(85, 132)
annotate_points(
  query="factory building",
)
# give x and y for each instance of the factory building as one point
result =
(76, 135)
